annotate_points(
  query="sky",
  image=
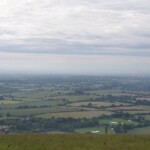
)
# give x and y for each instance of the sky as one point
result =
(75, 36)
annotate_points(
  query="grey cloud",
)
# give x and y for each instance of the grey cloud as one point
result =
(7, 32)
(47, 46)
(75, 27)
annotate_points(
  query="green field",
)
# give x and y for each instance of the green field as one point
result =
(74, 142)
(144, 130)
(116, 120)
(147, 117)
(33, 111)
(101, 130)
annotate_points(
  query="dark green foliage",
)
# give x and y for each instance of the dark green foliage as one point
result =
(1, 97)
(54, 124)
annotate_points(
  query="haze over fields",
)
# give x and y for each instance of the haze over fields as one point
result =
(75, 37)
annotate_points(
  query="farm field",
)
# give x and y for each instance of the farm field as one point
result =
(99, 130)
(133, 108)
(74, 142)
(144, 130)
(112, 122)
(78, 114)
(116, 121)
(147, 117)
(97, 104)
(70, 103)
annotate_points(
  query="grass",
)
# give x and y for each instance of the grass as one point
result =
(133, 108)
(118, 120)
(33, 111)
(98, 104)
(74, 142)
(29, 102)
(137, 112)
(147, 117)
(77, 114)
(114, 92)
(6, 102)
(100, 129)
(75, 98)
(144, 130)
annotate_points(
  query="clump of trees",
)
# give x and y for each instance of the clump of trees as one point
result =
(1, 97)
(53, 124)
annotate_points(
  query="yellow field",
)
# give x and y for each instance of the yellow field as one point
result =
(134, 108)
(82, 114)
(5, 102)
(98, 104)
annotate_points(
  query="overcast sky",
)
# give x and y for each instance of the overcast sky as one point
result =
(75, 36)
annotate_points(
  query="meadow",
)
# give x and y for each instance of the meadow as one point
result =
(74, 142)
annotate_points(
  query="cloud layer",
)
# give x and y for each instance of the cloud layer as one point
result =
(75, 36)
(75, 27)
(73, 64)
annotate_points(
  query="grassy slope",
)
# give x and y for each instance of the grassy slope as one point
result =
(74, 142)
